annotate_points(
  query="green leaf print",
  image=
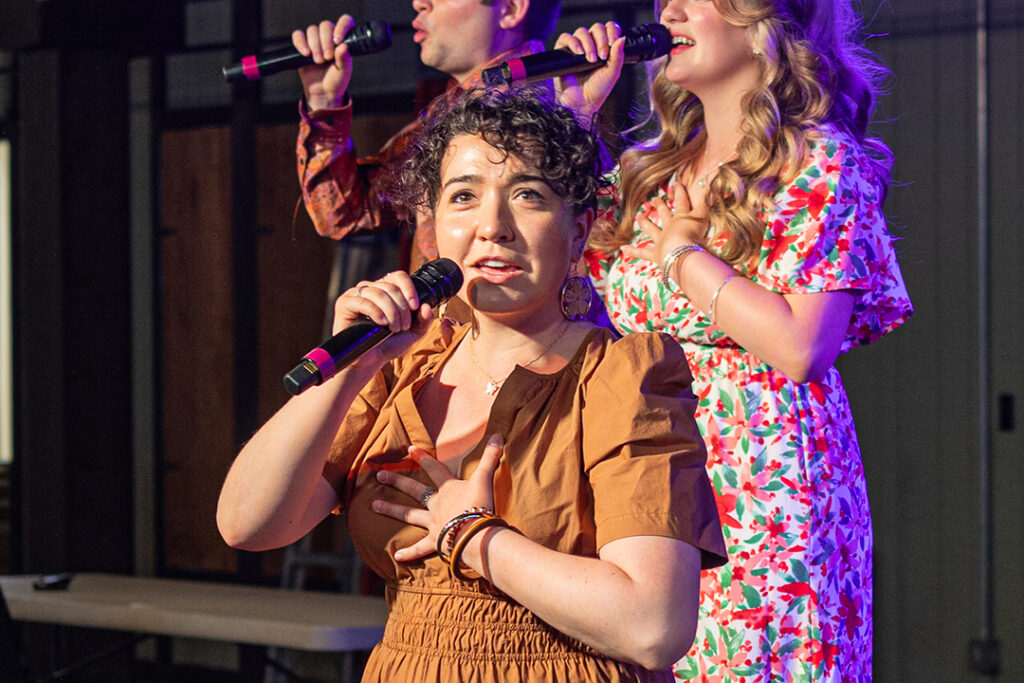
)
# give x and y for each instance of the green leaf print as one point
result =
(797, 605)
(757, 466)
(731, 478)
(750, 595)
(733, 641)
(751, 400)
(745, 671)
(766, 430)
(688, 671)
(798, 571)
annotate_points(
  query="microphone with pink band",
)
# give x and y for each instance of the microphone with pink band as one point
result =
(647, 41)
(435, 282)
(364, 39)
(643, 42)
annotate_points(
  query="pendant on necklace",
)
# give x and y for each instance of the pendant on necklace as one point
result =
(492, 388)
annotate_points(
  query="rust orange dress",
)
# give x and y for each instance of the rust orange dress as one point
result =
(604, 449)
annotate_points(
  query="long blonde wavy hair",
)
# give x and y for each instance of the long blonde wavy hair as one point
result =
(812, 72)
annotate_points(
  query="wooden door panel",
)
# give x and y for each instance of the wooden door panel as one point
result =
(197, 344)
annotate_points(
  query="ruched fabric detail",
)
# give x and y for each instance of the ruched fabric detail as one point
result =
(432, 635)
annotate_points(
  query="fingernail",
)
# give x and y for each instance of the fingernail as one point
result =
(495, 440)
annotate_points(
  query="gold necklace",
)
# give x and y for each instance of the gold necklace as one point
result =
(494, 385)
(703, 180)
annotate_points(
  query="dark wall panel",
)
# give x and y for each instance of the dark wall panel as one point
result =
(198, 363)
(915, 394)
(72, 352)
(1007, 208)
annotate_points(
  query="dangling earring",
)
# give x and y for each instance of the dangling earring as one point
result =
(576, 294)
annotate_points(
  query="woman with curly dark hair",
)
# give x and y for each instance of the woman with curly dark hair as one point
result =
(749, 227)
(532, 490)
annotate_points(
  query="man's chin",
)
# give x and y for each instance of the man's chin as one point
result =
(429, 57)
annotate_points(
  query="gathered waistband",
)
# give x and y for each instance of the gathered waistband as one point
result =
(472, 625)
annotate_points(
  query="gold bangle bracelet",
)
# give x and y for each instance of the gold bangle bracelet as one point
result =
(714, 298)
(451, 529)
(680, 252)
(455, 560)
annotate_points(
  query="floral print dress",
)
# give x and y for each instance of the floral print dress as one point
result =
(794, 601)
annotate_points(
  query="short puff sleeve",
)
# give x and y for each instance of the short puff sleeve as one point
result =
(643, 454)
(825, 231)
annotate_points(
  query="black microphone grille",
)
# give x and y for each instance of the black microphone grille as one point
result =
(370, 37)
(647, 41)
(437, 281)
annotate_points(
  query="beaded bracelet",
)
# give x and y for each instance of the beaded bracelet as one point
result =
(451, 529)
(679, 252)
(714, 299)
(455, 560)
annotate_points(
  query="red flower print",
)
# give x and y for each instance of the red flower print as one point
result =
(797, 588)
(814, 199)
(776, 528)
(640, 317)
(594, 261)
(756, 617)
(819, 196)
(792, 485)
(780, 245)
(827, 653)
(850, 613)
(726, 504)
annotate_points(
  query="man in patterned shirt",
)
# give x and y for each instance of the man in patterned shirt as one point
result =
(458, 37)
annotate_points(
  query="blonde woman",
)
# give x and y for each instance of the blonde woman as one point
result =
(750, 228)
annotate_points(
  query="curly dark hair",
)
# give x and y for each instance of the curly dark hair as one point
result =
(525, 122)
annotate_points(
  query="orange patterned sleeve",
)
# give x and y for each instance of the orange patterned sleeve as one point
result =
(340, 191)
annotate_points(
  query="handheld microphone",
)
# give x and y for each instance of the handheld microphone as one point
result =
(435, 282)
(643, 42)
(363, 39)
